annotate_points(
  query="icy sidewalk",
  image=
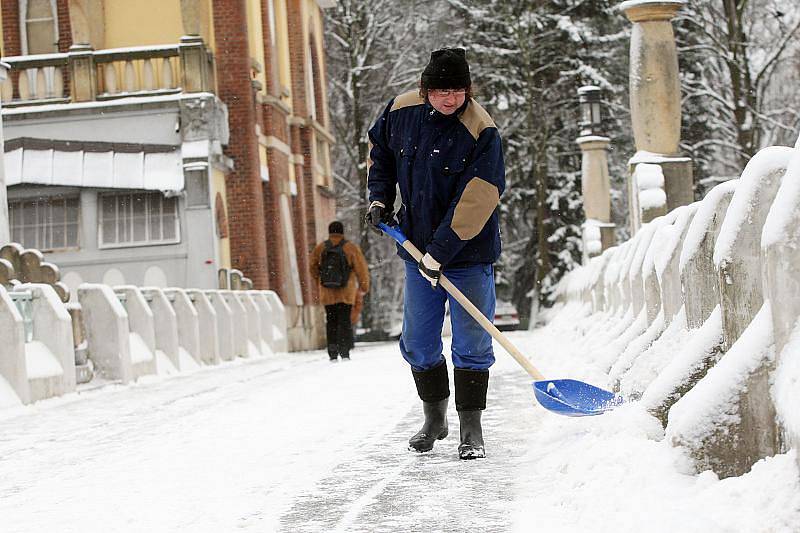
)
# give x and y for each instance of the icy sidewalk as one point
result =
(294, 443)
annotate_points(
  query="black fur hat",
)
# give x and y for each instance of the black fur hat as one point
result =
(447, 69)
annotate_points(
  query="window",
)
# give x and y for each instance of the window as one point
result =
(45, 223)
(40, 26)
(135, 219)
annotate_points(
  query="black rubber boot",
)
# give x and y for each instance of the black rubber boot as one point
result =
(433, 388)
(471, 388)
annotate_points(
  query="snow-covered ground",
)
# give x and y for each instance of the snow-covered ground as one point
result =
(295, 443)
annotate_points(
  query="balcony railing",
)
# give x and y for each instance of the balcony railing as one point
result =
(85, 75)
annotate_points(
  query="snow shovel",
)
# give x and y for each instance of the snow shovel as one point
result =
(567, 397)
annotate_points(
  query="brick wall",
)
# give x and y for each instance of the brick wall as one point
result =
(64, 26)
(244, 187)
(11, 36)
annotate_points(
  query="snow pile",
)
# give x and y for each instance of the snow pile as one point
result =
(636, 347)
(648, 365)
(40, 361)
(766, 166)
(188, 363)
(650, 181)
(140, 352)
(687, 366)
(713, 404)
(618, 472)
(164, 365)
(592, 242)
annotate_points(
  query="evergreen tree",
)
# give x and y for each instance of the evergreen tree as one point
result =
(530, 57)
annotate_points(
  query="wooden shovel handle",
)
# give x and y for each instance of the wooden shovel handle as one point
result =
(485, 323)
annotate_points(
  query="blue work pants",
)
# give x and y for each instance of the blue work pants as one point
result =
(423, 317)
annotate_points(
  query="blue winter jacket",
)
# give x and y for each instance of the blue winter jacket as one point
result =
(450, 172)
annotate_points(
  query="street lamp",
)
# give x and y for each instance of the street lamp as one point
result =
(589, 98)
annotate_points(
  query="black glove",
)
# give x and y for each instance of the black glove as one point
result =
(376, 214)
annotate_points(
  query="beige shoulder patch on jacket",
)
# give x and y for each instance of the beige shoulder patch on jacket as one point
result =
(476, 119)
(411, 98)
(476, 205)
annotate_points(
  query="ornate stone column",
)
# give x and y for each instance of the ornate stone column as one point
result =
(655, 100)
(5, 234)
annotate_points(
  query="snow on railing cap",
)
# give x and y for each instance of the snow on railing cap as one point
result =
(764, 164)
(702, 219)
(782, 214)
(637, 3)
(643, 156)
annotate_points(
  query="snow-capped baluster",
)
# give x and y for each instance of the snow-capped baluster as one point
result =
(737, 250)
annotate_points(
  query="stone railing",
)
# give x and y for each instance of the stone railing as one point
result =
(122, 333)
(696, 316)
(85, 75)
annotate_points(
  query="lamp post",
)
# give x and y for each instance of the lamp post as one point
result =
(598, 231)
(590, 98)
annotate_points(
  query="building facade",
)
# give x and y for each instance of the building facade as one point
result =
(166, 142)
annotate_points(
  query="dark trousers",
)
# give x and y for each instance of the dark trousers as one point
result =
(339, 329)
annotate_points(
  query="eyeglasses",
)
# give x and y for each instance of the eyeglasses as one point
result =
(447, 92)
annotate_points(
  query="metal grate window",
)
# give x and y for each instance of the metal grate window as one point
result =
(45, 223)
(138, 219)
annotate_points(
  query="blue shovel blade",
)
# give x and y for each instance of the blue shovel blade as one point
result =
(570, 397)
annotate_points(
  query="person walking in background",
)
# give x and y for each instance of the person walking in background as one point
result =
(442, 150)
(341, 272)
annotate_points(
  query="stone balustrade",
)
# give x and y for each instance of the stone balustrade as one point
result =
(85, 75)
(123, 333)
(697, 316)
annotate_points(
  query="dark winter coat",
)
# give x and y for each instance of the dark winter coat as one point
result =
(450, 172)
(359, 273)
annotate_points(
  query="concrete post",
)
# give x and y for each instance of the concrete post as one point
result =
(698, 277)
(188, 323)
(107, 331)
(208, 324)
(265, 313)
(737, 254)
(142, 334)
(12, 362)
(165, 324)
(781, 256)
(655, 100)
(52, 329)
(82, 73)
(225, 329)
(279, 332)
(5, 234)
(240, 326)
(598, 231)
(194, 64)
(667, 262)
(253, 314)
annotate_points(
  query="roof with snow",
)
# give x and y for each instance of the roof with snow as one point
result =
(93, 164)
